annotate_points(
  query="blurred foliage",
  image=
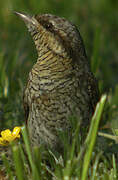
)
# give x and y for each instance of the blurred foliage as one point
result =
(42, 164)
(97, 21)
(98, 24)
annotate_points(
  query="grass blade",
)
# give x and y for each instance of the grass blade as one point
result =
(28, 150)
(18, 163)
(90, 141)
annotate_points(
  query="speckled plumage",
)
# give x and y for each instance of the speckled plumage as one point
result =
(60, 80)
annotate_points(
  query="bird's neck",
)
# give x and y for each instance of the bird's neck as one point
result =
(53, 71)
(52, 63)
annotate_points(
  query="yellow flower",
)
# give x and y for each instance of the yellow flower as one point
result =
(7, 136)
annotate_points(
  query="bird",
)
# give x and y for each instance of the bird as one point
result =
(60, 83)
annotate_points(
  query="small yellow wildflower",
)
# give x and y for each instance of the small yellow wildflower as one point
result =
(7, 136)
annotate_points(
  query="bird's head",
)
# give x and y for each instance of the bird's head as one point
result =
(54, 33)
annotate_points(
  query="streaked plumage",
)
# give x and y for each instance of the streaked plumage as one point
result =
(60, 80)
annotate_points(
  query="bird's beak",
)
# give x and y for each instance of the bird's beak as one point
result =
(26, 18)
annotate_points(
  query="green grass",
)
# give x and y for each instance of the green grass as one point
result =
(82, 162)
(97, 22)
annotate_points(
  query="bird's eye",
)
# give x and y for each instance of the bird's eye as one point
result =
(48, 26)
